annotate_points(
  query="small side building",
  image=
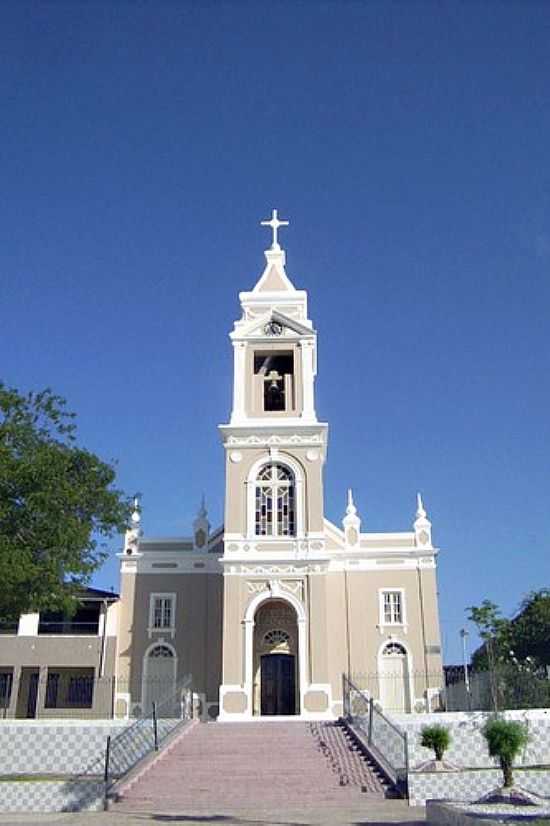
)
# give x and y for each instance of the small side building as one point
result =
(54, 666)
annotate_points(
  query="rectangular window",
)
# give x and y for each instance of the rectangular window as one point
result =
(5, 689)
(393, 609)
(162, 612)
(52, 686)
(80, 692)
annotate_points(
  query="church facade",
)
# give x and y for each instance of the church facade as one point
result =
(268, 612)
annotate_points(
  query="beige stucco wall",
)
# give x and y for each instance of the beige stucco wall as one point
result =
(358, 650)
(343, 627)
(197, 639)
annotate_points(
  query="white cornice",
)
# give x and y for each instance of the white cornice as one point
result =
(259, 433)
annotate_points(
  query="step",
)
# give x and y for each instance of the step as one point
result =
(255, 765)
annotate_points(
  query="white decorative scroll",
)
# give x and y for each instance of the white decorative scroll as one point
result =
(267, 441)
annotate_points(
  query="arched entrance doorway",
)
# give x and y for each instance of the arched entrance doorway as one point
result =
(276, 667)
(394, 679)
(159, 675)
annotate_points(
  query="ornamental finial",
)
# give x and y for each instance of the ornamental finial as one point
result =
(420, 512)
(274, 223)
(351, 509)
(136, 513)
(203, 513)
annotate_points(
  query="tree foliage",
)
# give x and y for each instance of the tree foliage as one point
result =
(58, 504)
(525, 638)
(436, 737)
(505, 739)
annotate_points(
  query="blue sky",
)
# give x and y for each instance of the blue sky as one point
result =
(408, 145)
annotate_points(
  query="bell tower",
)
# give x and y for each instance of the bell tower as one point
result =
(274, 528)
(275, 446)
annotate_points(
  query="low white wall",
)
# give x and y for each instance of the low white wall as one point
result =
(469, 748)
(53, 746)
(469, 786)
(51, 796)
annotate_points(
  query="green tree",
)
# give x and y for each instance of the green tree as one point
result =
(58, 505)
(530, 629)
(505, 739)
(493, 629)
(436, 737)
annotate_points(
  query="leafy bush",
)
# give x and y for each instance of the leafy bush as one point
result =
(436, 737)
(505, 739)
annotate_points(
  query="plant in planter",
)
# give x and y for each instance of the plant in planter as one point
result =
(436, 737)
(505, 739)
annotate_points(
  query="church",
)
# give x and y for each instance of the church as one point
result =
(270, 610)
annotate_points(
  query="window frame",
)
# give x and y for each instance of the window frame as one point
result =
(273, 490)
(162, 629)
(382, 621)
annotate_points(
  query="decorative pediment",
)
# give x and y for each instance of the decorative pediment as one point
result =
(273, 324)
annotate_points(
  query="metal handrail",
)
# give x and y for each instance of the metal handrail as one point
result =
(369, 700)
(145, 724)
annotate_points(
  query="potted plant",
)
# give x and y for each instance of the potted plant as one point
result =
(505, 739)
(438, 738)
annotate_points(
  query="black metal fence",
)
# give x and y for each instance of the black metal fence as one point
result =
(76, 693)
(505, 687)
(502, 688)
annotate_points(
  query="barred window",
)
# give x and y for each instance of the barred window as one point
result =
(393, 609)
(275, 502)
(162, 612)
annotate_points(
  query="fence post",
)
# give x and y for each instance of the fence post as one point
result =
(155, 729)
(107, 758)
(406, 747)
(106, 772)
(371, 714)
(345, 704)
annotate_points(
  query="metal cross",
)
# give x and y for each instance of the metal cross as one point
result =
(274, 224)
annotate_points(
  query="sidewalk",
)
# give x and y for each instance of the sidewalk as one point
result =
(373, 812)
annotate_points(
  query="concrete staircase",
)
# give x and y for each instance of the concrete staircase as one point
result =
(226, 766)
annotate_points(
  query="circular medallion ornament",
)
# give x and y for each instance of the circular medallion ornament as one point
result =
(235, 456)
(312, 455)
(273, 328)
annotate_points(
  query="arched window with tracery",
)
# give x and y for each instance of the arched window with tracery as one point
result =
(275, 503)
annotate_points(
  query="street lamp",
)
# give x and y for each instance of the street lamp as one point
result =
(464, 633)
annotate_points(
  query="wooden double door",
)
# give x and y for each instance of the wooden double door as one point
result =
(278, 684)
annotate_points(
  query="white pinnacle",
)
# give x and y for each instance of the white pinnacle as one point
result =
(136, 515)
(351, 509)
(420, 512)
(274, 223)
